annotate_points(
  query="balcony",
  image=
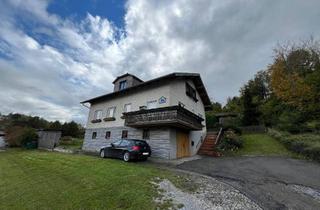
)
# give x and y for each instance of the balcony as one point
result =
(173, 116)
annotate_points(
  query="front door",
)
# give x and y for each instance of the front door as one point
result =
(183, 144)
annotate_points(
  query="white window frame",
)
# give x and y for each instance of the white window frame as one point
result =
(113, 113)
(125, 107)
(97, 114)
(155, 102)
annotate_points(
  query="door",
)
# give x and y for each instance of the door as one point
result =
(183, 144)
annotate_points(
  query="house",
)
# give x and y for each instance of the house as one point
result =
(168, 112)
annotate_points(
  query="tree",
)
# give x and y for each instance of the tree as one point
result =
(233, 105)
(295, 77)
(72, 129)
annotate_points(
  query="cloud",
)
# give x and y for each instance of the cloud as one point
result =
(49, 64)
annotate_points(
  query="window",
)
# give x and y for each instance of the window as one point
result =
(97, 115)
(191, 92)
(94, 135)
(122, 85)
(108, 134)
(146, 134)
(111, 112)
(152, 104)
(127, 108)
(124, 134)
(125, 143)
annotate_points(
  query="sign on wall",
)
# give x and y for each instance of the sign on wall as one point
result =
(162, 100)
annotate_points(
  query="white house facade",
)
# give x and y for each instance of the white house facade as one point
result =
(168, 112)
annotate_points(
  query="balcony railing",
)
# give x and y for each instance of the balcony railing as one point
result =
(173, 116)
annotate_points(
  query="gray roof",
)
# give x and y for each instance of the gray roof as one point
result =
(195, 77)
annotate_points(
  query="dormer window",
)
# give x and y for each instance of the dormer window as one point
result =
(123, 85)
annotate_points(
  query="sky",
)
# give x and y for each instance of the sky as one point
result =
(56, 53)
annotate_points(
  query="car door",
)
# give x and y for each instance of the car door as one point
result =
(114, 150)
(123, 147)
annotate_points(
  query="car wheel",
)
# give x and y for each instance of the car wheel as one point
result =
(126, 156)
(102, 155)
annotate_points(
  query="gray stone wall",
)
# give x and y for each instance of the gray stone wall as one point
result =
(160, 140)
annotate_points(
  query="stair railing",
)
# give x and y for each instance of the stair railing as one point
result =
(219, 136)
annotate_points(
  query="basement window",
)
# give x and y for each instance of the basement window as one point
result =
(108, 134)
(94, 135)
(124, 134)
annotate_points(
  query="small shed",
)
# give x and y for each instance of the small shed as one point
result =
(48, 139)
(225, 118)
(2, 142)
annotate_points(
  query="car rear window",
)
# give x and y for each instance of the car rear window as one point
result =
(140, 143)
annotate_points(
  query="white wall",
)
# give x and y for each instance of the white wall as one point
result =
(136, 99)
(178, 93)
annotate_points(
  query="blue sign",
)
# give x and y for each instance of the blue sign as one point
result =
(162, 100)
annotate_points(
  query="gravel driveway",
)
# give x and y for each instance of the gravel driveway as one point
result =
(271, 182)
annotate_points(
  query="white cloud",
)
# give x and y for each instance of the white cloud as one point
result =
(49, 69)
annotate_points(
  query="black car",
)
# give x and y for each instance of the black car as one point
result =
(127, 149)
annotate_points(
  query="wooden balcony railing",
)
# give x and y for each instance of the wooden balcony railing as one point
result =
(173, 116)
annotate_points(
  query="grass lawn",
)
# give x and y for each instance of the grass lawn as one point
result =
(32, 179)
(261, 144)
(74, 144)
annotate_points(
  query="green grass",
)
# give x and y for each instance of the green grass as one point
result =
(48, 180)
(261, 144)
(74, 144)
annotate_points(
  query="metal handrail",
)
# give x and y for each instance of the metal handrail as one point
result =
(219, 136)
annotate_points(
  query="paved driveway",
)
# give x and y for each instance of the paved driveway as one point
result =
(272, 182)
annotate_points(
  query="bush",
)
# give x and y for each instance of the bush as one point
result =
(304, 144)
(21, 136)
(230, 142)
(232, 128)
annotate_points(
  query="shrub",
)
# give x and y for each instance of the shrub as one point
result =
(232, 128)
(304, 144)
(21, 136)
(230, 141)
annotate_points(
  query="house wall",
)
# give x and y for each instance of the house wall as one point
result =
(162, 141)
(136, 99)
(178, 93)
